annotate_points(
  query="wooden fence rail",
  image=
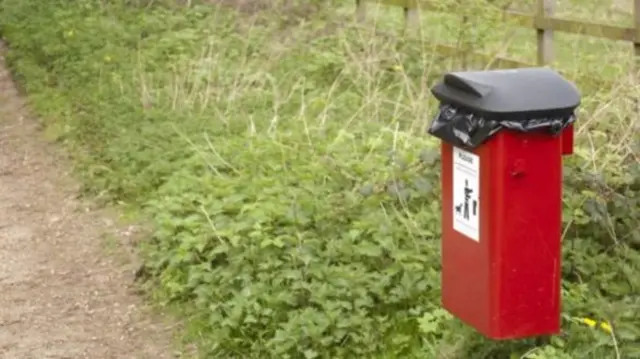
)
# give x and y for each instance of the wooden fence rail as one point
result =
(543, 22)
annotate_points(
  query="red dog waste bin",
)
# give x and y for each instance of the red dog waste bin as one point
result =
(503, 136)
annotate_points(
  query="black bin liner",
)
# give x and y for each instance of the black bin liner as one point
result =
(474, 105)
(462, 128)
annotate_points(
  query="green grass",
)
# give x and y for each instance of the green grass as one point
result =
(292, 190)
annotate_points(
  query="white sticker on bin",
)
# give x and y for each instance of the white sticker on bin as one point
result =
(466, 189)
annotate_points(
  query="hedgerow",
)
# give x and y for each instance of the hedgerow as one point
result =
(293, 192)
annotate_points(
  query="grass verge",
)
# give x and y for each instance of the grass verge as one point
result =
(293, 193)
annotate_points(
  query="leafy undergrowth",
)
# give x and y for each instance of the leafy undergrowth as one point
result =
(294, 193)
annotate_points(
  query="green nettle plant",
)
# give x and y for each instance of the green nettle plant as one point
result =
(292, 192)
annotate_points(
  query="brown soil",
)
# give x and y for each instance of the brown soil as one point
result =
(65, 290)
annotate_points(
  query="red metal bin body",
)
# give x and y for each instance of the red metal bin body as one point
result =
(501, 268)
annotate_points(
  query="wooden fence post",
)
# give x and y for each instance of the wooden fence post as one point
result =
(361, 11)
(636, 43)
(411, 17)
(545, 37)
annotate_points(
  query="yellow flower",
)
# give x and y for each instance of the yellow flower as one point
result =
(107, 58)
(590, 322)
(70, 33)
(397, 68)
(604, 326)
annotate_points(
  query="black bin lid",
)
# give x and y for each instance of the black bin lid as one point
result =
(525, 92)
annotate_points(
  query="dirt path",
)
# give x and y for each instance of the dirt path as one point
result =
(62, 294)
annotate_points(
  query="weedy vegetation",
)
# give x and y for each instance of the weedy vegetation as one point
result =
(279, 153)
